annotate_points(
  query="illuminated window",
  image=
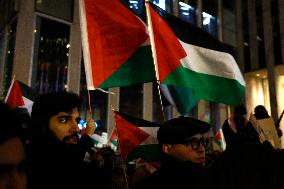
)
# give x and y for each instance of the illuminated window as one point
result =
(187, 12)
(160, 3)
(51, 56)
(209, 21)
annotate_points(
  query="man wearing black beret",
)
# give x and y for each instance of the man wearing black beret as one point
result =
(183, 143)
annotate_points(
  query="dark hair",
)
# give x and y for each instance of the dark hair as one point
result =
(48, 105)
(260, 112)
(10, 126)
(240, 110)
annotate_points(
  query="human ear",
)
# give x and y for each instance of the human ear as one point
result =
(167, 148)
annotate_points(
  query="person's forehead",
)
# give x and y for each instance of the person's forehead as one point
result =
(73, 112)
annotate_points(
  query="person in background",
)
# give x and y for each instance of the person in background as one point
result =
(183, 143)
(13, 166)
(260, 112)
(237, 129)
(55, 151)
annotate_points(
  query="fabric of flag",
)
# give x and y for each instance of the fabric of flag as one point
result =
(116, 46)
(219, 139)
(14, 97)
(189, 57)
(137, 138)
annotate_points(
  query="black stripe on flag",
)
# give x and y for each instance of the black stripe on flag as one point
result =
(189, 33)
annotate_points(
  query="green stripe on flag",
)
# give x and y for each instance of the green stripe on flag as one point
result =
(208, 87)
(150, 152)
(138, 68)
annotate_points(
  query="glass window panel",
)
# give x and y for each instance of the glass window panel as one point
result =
(8, 9)
(60, 8)
(276, 32)
(51, 57)
(187, 11)
(99, 101)
(9, 55)
(229, 23)
(138, 7)
(160, 3)
(131, 100)
(260, 37)
(209, 15)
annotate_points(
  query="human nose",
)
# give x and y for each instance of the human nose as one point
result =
(74, 126)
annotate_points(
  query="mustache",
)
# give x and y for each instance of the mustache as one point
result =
(70, 137)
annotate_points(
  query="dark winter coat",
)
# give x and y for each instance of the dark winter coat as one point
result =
(175, 174)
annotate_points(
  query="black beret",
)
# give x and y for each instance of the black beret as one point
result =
(178, 130)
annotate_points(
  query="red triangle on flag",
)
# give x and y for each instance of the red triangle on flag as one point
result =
(14, 96)
(129, 136)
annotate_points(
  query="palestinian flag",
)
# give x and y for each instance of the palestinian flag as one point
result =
(219, 139)
(14, 97)
(20, 95)
(116, 45)
(137, 138)
(189, 57)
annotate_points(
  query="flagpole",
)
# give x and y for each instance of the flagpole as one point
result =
(89, 103)
(154, 54)
(118, 147)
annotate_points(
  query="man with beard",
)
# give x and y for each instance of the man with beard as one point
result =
(55, 151)
(183, 144)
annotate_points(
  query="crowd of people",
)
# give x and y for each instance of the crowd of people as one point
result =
(47, 150)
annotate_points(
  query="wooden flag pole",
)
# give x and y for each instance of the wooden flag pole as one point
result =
(154, 54)
(89, 102)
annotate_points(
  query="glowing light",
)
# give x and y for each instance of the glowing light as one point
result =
(206, 18)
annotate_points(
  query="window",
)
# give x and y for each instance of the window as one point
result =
(210, 8)
(160, 3)
(187, 11)
(131, 100)
(62, 9)
(8, 8)
(9, 56)
(51, 56)
(229, 23)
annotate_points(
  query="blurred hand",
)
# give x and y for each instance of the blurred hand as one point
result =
(90, 127)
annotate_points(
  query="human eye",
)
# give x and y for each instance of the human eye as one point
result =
(63, 119)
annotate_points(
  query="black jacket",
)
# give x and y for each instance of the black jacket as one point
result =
(58, 166)
(175, 174)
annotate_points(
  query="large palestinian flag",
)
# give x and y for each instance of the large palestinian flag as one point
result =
(189, 57)
(115, 45)
(137, 138)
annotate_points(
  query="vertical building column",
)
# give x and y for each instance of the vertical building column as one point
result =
(74, 65)
(148, 101)
(269, 55)
(175, 7)
(252, 34)
(199, 11)
(2, 60)
(281, 23)
(113, 103)
(24, 43)
(239, 35)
